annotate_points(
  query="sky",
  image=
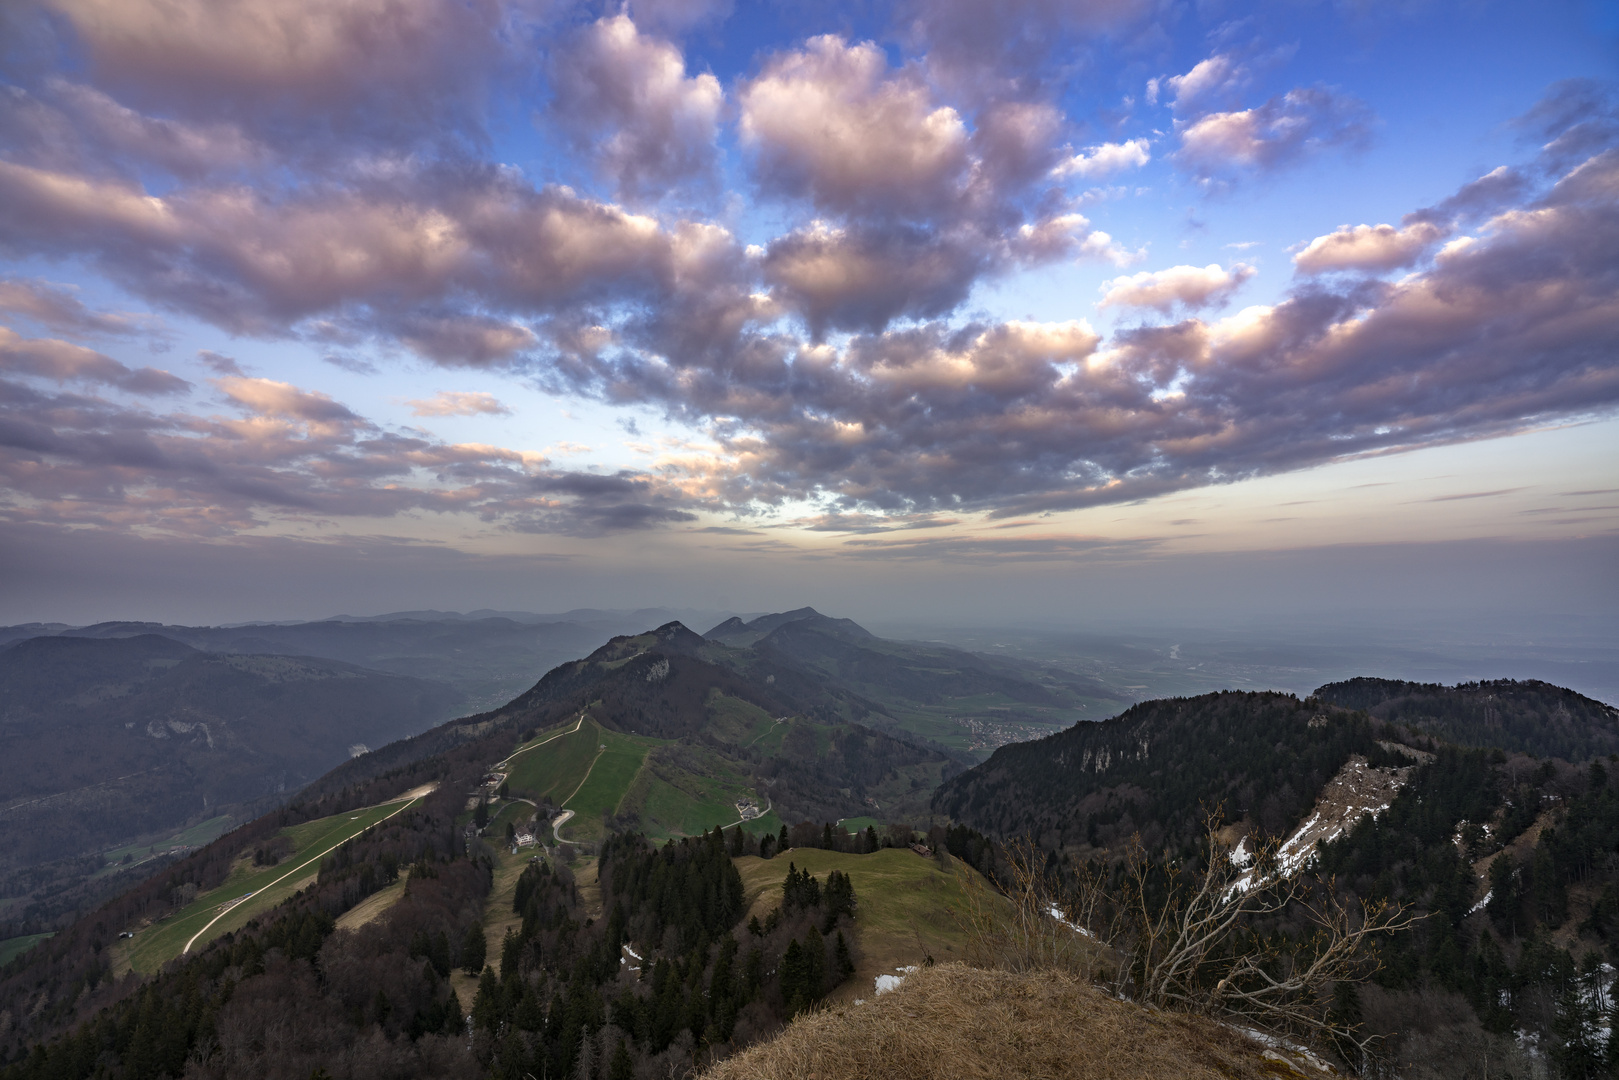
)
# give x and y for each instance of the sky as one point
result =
(1038, 310)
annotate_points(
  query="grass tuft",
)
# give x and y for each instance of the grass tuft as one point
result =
(953, 1022)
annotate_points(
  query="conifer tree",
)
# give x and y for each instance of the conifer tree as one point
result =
(474, 950)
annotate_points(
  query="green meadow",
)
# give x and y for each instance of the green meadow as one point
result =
(263, 886)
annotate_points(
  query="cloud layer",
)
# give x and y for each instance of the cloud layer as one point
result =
(789, 262)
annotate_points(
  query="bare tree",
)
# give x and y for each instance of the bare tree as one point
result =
(1173, 936)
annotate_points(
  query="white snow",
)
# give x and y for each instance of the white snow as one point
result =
(885, 983)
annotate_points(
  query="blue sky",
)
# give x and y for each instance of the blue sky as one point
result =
(469, 303)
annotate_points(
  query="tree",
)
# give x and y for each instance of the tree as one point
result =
(782, 843)
(480, 816)
(1174, 938)
(474, 949)
(622, 1068)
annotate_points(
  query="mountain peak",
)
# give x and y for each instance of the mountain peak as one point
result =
(735, 632)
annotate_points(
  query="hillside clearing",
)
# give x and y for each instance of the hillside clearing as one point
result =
(905, 906)
(250, 890)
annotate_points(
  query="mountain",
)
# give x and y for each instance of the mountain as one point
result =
(1531, 716)
(969, 702)
(739, 719)
(387, 845)
(1510, 861)
(108, 743)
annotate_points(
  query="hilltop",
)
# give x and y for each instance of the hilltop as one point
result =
(1530, 716)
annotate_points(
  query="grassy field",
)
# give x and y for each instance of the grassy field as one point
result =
(735, 720)
(907, 907)
(11, 948)
(553, 771)
(197, 836)
(860, 824)
(155, 945)
(685, 797)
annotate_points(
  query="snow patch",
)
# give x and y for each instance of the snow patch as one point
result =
(885, 983)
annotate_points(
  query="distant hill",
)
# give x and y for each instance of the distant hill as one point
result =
(485, 661)
(104, 742)
(1532, 716)
(963, 700)
(1152, 768)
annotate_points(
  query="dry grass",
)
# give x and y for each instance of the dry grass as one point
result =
(952, 1021)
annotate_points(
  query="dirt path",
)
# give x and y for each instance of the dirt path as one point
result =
(508, 760)
(561, 820)
(231, 905)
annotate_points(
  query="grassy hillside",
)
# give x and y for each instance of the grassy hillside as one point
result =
(950, 1021)
(906, 905)
(249, 890)
(11, 948)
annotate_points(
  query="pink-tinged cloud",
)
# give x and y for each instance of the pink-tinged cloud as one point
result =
(1271, 135)
(256, 264)
(1099, 162)
(279, 453)
(62, 361)
(1191, 287)
(62, 311)
(1214, 77)
(301, 70)
(626, 100)
(459, 403)
(1516, 327)
(1368, 248)
(832, 123)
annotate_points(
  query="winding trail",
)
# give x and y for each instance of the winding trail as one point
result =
(561, 820)
(231, 905)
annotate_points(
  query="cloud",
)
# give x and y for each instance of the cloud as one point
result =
(676, 16)
(279, 453)
(60, 310)
(61, 361)
(863, 278)
(1216, 76)
(1096, 162)
(1512, 329)
(299, 71)
(385, 254)
(1367, 248)
(989, 52)
(1192, 287)
(459, 403)
(625, 99)
(1271, 135)
(832, 124)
